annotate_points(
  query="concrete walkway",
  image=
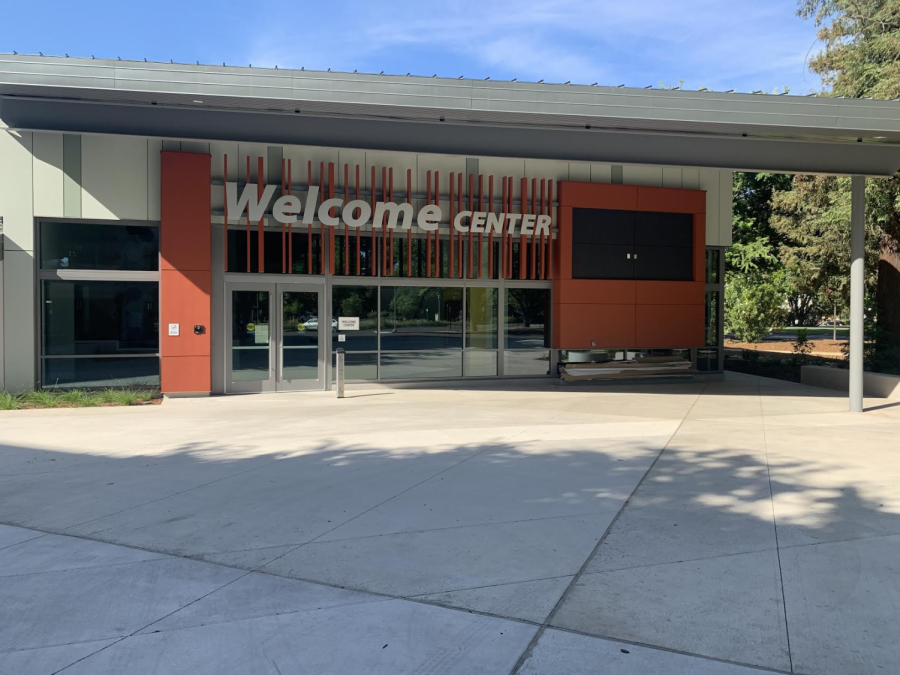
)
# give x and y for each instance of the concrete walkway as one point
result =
(716, 528)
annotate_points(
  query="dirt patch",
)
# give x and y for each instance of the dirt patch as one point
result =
(830, 348)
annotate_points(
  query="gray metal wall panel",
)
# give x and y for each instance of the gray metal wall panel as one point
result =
(72, 175)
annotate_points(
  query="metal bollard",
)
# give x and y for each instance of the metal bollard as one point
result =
(340, 372)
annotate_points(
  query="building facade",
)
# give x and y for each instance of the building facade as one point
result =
(155, 238)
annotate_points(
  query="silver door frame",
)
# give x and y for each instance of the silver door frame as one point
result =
(275, 382)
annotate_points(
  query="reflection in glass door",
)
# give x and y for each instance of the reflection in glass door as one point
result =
(301, 339)
(251, 349)
(276, 342)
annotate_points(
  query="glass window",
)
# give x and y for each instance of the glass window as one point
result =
(712, 265)
(101, 372)
(526, 362)
(527, 318)
(360, 302)
(93, 246)
(421, 318)
(101, 317)
(417, 365)
(481, 318)
(357, 366)
(479, 363)
(250, 336)
(707, 360)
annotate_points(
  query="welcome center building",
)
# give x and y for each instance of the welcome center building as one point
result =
(214, 229)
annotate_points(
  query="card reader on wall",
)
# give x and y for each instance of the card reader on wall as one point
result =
(199, 329)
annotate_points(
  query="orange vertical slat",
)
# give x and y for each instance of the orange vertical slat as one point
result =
(259, 237)
(346, 226)
(374, 241)
(502, 261)
(322, 239)
(247, 181)
(510, 235)
(384, 251)
(332, 252)
(459, 238)
(543, 250)
(409, 230)
(471, 271)
(437, 232)
(480, 264)
(550, 238)
(391, 234)
(523, 198)
(358, 257)
(225, 194)
(452, 236)
(533, 238)
(290, 233)
(309, 232)
(491, 233)
(428, 233)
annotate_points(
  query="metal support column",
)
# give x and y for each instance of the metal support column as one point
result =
(857, 290)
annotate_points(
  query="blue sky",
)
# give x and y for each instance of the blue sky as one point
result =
(720, 44)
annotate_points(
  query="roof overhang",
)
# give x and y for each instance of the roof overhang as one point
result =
(474, 117)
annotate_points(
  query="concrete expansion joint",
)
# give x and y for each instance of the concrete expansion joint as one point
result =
(559, 603)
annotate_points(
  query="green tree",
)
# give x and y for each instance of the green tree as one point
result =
(754, 291)
(861, 57)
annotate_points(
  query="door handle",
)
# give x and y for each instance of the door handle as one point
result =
(628, 255)
(635, 256)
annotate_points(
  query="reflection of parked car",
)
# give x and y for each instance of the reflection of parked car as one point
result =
(313, 324)
(831, 322)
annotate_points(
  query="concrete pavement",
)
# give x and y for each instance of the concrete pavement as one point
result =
(455, 530)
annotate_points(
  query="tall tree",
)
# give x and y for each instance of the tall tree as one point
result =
(861, 57)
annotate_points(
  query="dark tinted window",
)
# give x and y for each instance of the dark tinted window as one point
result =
(101, 372)
(360, 302)
(101, 317)
(664, 229)
(91, 246)
(414, 318)
(602, 226)
(527, 318)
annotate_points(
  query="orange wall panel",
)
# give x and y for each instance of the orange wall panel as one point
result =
(185, 275)
(598, 195)
(668, 326)
(609, 326)
(669, 292)
(185, 211)
(186, 374)
(671, 200)
(185, 300)
(596, 291)
(627, 313)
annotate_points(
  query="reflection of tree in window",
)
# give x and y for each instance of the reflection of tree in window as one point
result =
(526, 318)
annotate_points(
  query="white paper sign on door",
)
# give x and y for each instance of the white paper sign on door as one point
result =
(348, 323)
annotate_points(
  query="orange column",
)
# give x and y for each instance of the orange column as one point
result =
(185, 271)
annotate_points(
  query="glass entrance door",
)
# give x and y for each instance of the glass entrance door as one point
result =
(275, 342)
(302, 331)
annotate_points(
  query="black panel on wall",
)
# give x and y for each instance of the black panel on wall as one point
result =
(598, 261)
(664, 229)
(602, 226)
(664, 263)
(612, 244)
